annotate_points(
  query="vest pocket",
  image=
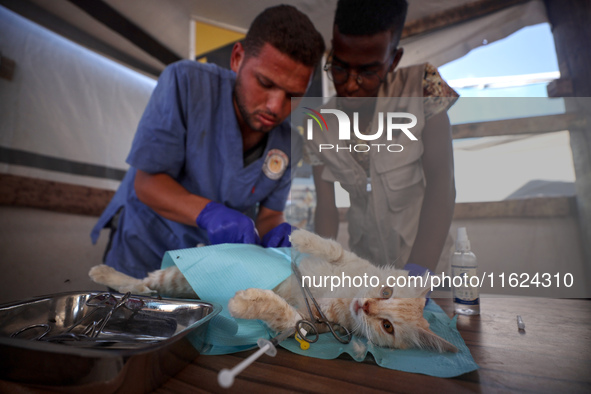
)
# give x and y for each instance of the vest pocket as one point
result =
(404, 186)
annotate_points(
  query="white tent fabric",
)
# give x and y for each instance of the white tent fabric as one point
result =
(65, 102)
(71, 104)
(443, 46)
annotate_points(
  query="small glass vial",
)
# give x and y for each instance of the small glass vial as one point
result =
(463, 267)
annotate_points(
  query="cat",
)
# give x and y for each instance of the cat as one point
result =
(387, 316)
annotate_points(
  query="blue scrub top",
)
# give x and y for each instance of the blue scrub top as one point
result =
(190, 132)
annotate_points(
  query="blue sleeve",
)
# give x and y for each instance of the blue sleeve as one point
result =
(159, 143)
(277, 200)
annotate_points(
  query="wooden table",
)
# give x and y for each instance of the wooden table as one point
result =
(553, 355)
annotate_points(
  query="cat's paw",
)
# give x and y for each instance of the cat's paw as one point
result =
(359, 348)
(102, 274)
(301, 239)
(264, 305)
(315, 245)
(110, 277)
(244, 303)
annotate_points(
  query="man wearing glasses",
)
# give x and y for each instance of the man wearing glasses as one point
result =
(401, 203)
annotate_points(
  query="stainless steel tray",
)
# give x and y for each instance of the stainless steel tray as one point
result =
(136, 350)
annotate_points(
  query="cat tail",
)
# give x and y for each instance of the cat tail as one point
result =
(326, 249)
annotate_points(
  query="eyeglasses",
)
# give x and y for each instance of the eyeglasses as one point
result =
(366, 79)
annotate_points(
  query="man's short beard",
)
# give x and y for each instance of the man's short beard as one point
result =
(246, 116)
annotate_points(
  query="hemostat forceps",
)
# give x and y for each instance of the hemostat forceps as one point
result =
(304, 326)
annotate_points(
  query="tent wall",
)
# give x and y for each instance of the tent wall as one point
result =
(67, 116)
(442, 46)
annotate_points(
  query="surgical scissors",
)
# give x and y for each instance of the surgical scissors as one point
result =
(301, 324)
(94, 328)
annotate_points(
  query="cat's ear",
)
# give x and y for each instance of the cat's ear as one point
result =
(425, 281)
(424, 292)
(429, 340)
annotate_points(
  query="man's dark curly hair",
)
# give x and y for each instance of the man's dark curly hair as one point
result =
(289, 31)
(369, 17)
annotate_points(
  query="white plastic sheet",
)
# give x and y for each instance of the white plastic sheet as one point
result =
(443, 46)
(65, 102)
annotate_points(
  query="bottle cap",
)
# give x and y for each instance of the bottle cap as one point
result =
(462, 241)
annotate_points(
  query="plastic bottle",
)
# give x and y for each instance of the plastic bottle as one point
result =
(464, 266)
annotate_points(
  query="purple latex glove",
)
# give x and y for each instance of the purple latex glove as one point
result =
(418, 270)
(226, 225)
(278, 237)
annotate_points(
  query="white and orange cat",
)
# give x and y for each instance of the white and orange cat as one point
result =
(388, 317)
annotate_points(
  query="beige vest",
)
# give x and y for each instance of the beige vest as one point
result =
(382, 223)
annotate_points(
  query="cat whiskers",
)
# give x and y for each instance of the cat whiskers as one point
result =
(362, 327)
(367, 330)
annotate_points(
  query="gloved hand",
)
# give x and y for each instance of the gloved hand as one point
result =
(418, 270)
(226, 225)
(278, 237)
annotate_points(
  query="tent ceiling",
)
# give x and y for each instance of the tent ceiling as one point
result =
(168, 22)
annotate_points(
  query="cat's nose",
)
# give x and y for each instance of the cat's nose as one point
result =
(366, 308)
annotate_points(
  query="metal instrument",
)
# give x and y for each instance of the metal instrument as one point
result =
(94, 327)
(54, 342)
(305, 327)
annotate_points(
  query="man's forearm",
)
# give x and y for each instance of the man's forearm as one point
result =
(326, 221)
(168, 198)
(326, 216)
(434, 223)
(268, 219)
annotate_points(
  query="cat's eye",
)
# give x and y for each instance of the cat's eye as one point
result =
(388, 326)
(387, 292)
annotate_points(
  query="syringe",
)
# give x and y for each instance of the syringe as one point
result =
(226, 376)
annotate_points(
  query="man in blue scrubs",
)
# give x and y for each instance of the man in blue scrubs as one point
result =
(211, 160)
